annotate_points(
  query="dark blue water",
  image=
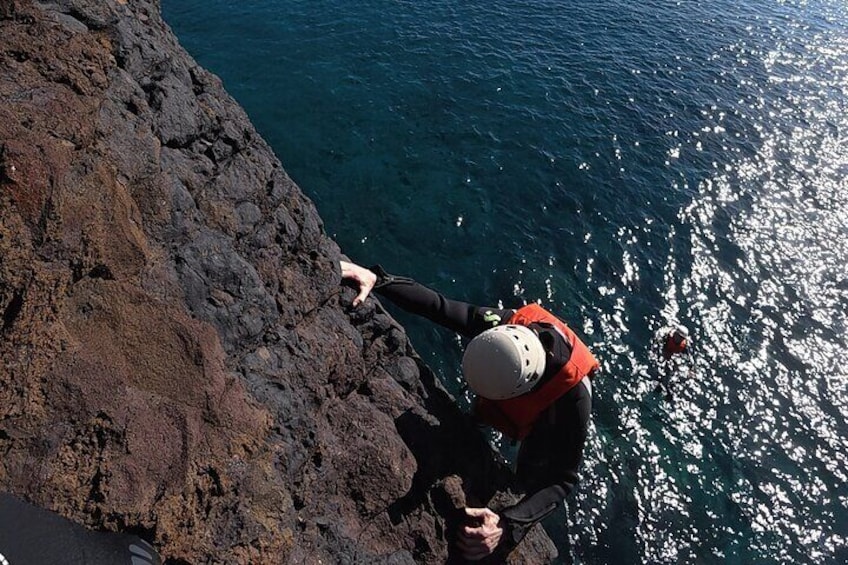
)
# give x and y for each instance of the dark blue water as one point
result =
(628, 165)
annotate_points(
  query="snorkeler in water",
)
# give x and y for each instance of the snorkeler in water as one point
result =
(674, 342)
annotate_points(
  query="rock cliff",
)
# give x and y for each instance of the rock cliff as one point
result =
(177, 357)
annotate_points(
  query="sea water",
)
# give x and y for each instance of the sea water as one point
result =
(629, 165)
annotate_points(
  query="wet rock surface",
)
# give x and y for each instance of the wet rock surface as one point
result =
(177, 357)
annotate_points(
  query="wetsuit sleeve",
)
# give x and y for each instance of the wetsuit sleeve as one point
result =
(461, 317)
(33, 535)
(548, 462)
(519, 519)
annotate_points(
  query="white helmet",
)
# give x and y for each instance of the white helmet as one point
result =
(504, 362)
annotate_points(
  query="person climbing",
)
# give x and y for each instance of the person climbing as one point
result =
(532, 378)
(33, 536)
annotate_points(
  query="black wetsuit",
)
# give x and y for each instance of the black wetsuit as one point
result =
(551, 453)
(33, 536)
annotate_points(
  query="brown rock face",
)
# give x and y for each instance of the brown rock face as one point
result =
(177, 358)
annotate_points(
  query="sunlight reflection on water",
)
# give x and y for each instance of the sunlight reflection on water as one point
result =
(767, 301)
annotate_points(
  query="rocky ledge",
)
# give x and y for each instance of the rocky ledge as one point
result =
(178, 359)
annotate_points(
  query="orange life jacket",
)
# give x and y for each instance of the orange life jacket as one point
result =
(515, 416)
